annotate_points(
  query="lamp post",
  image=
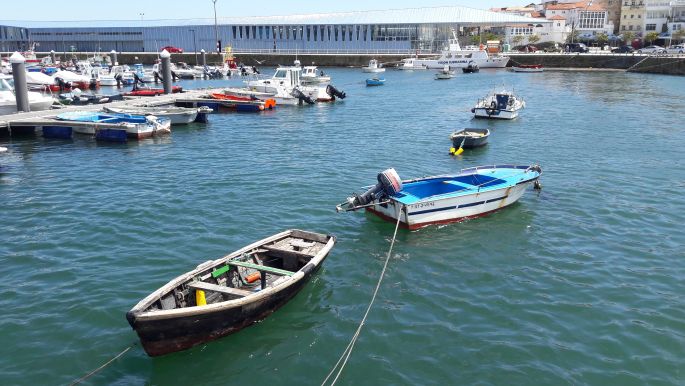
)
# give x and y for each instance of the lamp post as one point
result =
(194, 44)
(216, 29)
(141, 15)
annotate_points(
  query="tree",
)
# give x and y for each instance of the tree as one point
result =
(517, 40)
(532, 39)
(602, 39)
(628, 37)
(573, 36)
(679, 34)
(650, 37)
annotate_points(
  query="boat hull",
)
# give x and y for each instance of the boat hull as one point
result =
(164, 336)
(527, 69)
(451, 210)
(470, 141)
(486, 113)
(372, 70)
(495, 62)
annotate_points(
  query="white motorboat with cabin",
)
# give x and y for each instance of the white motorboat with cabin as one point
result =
(373, 66)
(455, 57)
(310, 75)
(8, 101)
(411, 64)
(287, 80)
(499, 105)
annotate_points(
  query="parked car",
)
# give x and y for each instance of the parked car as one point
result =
(576, 47)
(652, 50)
(623, 50)
(677, 49)
(172, 50)
(527, 48)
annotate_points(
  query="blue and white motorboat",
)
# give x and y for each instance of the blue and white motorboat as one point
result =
(473, 192)
(375, 81)
(111, 126)
(499, 105)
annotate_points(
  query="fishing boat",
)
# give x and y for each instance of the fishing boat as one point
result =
(8, 101)
(310, 74)
(528, 68)
(471, 68)
(373, 66)
(375, 81)
(239, 101)
(445, 73)
(282, 97)
(222, 296)
(409, 64)
(499, 105)
(469, 138)
(471, 193)
(175, 115)
(110, 126)
(288, 79)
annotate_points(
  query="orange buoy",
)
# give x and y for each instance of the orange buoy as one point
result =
(270, 103)
(253, 277)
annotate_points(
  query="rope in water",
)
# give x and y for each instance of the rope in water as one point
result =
(342, 361)
(90, 374)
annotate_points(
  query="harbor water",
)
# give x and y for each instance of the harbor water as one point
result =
(580, 284)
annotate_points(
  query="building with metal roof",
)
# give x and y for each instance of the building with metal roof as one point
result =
(398, 30)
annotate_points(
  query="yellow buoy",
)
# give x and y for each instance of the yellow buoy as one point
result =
(452, 150)
(459, 151)
(200, 299)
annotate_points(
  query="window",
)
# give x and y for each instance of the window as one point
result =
(650, 27)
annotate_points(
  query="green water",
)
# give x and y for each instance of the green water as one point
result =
(582, 284)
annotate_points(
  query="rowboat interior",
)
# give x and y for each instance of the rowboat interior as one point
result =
(241, 274)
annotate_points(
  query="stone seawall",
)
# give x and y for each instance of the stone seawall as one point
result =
(666, 64)
(663, 64)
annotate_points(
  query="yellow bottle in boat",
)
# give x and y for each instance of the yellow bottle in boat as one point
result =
(200, 299)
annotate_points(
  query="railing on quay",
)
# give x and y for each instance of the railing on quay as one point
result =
(266, 51)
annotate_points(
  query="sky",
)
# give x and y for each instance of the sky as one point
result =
(184, 9)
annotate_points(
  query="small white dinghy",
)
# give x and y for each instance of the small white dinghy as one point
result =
(445, 73)
(499, 105)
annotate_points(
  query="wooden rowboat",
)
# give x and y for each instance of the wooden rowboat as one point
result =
(470, 138)
(222, 296)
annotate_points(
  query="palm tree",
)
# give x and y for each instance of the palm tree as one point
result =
(532, 39)
(517, 40)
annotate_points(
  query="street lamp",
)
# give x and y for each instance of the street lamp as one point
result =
(216, 29)
(141, 15)
(194, 44)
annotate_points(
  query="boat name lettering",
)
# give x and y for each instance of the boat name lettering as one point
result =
(423, 205)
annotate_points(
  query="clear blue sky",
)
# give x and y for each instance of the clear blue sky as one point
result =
(183, 9)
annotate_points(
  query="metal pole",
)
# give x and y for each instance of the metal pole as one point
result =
(166, 70)
(216, 29)
(21, 91)
(115, 60)
(194, 45)
(53, 57)
(204, 57)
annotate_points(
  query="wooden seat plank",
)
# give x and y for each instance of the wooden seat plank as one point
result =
(201, 285)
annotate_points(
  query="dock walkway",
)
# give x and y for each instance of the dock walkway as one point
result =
(42, 118)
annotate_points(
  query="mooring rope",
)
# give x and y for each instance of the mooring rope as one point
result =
(90, 374)
(342, 361)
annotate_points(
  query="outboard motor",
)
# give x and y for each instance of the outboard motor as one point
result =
(136, 79)
(389, 184)
(334, 92)
(119, 78)
(297, 93)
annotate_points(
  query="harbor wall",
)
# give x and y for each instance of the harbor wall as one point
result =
(662, 64)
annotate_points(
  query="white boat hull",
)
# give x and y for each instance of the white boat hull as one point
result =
(373, 70)
(481, 112)
(449, 210)
(519, 69)
(494, 62)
